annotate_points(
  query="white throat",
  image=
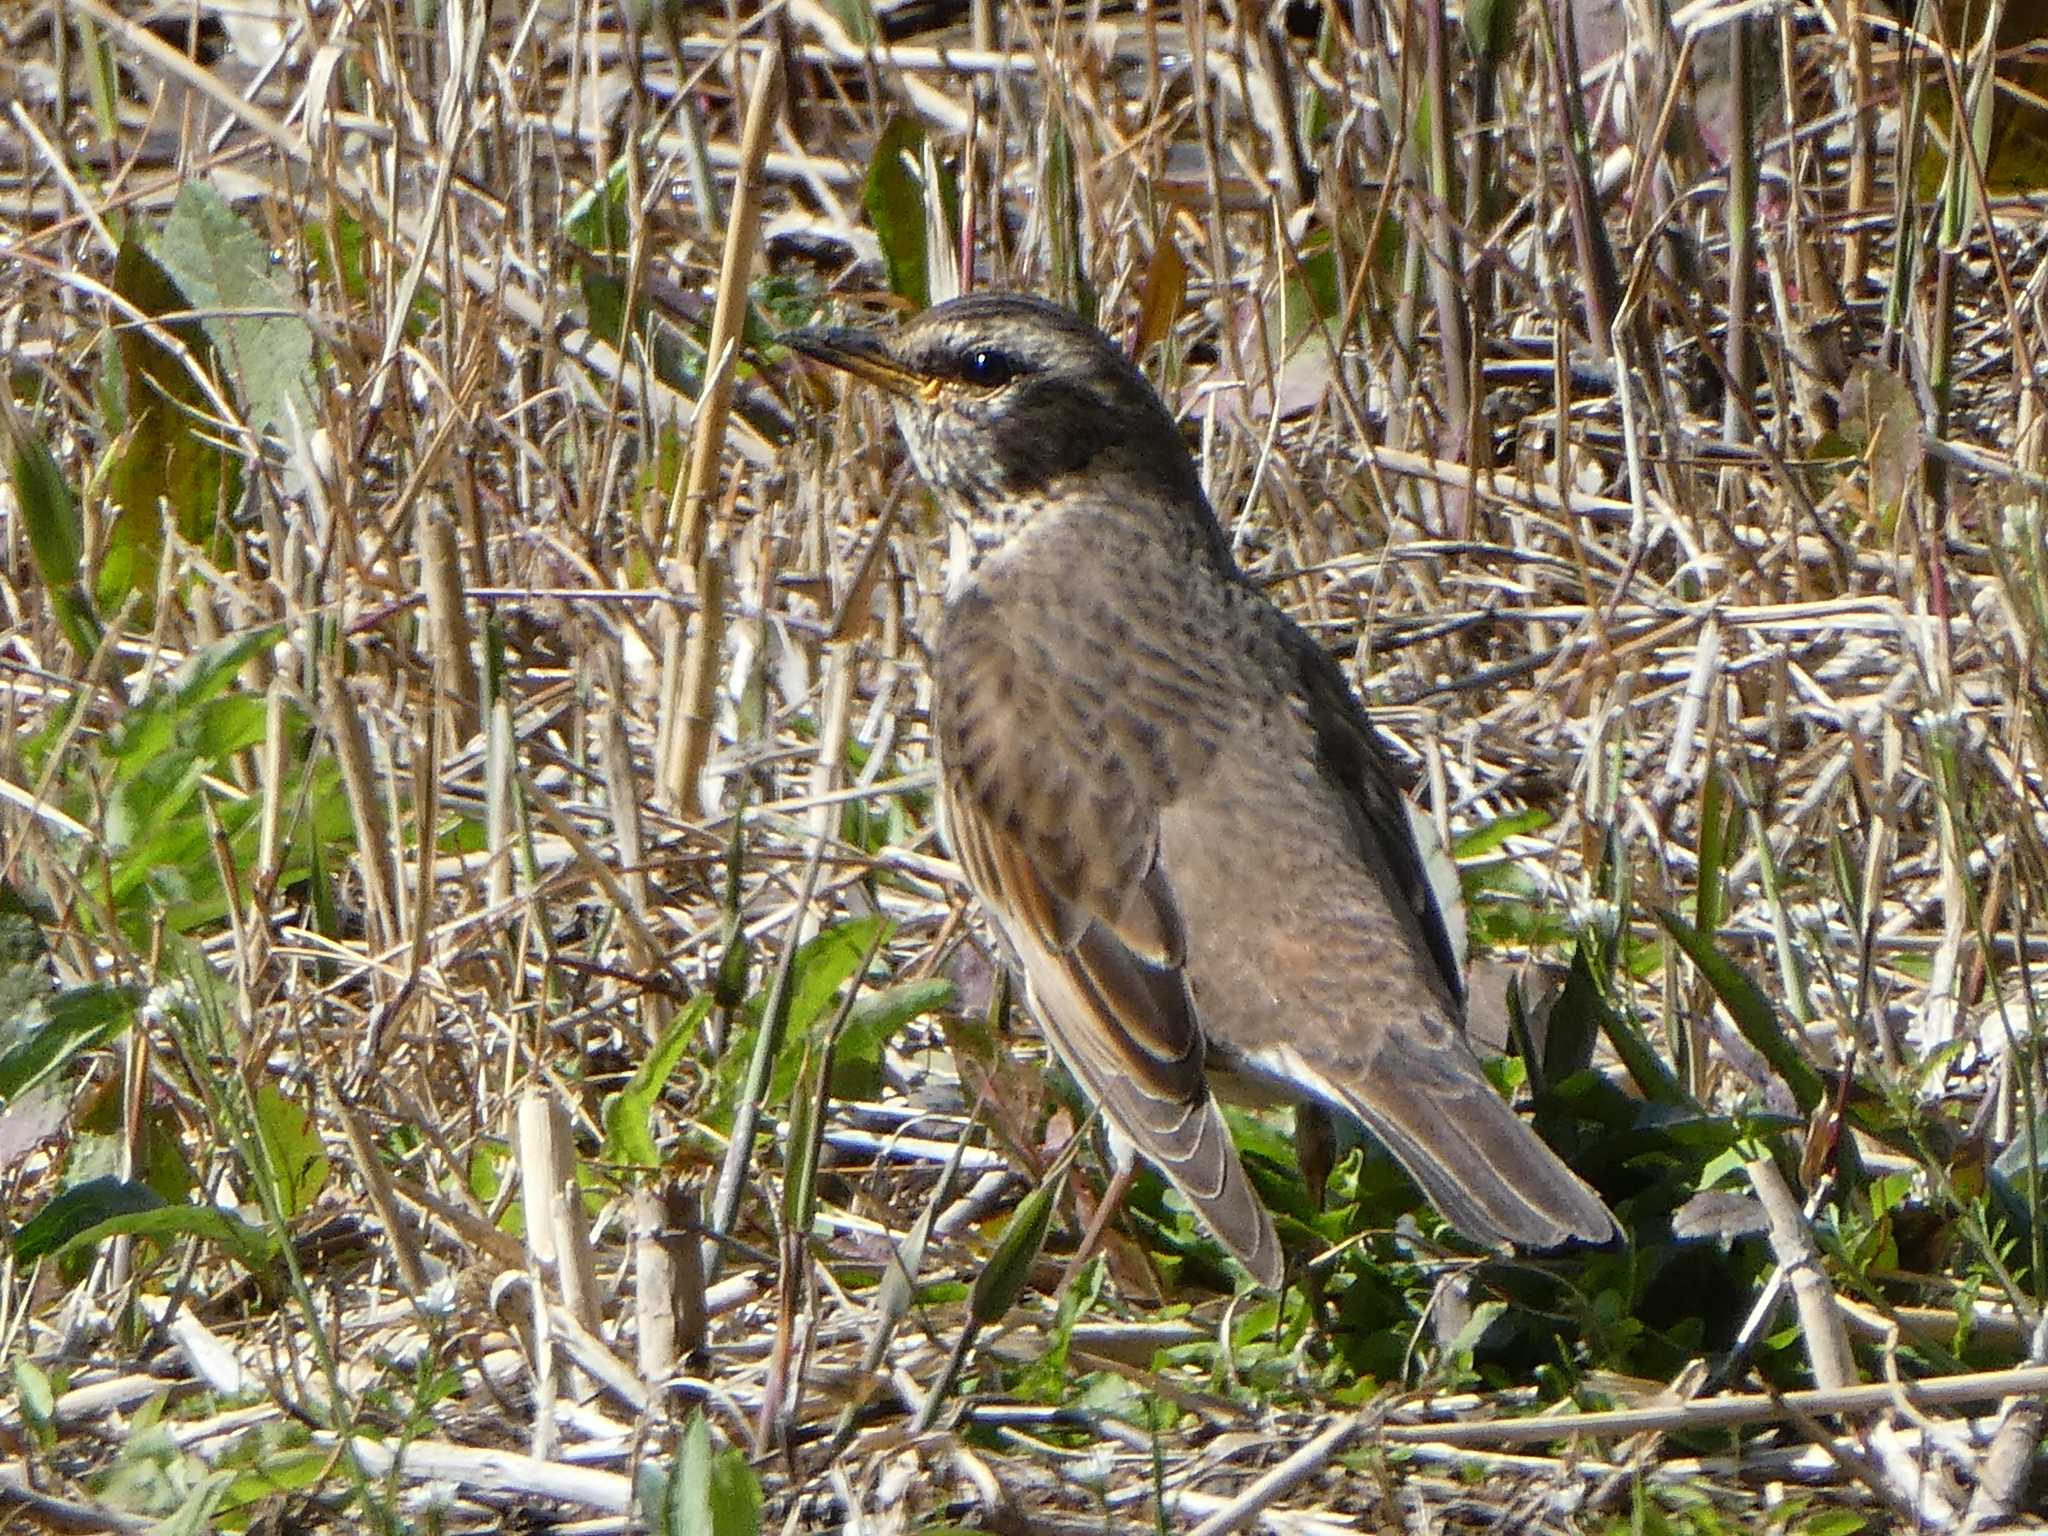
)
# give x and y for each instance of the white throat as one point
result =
(960, 557)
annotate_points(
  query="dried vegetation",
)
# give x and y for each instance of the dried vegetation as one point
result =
(467, 773)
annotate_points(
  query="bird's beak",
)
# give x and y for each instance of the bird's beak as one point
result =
(860, 353)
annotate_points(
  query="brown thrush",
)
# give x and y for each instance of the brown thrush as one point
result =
(1167, 798)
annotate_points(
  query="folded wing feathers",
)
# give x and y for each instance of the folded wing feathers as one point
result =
(1183, 1134)
(1119, 1017)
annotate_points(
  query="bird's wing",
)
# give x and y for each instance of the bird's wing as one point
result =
(1051, 789)
(1352, 755)
(1411, 1077)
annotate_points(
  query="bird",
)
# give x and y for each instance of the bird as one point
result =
(1169, 801)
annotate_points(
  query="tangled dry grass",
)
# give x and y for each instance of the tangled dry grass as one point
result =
(467, 770)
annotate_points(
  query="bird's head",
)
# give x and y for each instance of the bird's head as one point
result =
(1001, 397)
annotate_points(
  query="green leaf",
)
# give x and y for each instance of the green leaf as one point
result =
(56, 535)
(652, 1486)
(816, 1069)
(2019, 1176)
(25, 978)
(1312, 295)
(55, 531)
(1050, 1377)
(705, 1495)
(628, 1115)
(160, 1161)
(1568, 1039)
(102, 77)
(208, 671)
(601, 219)
(1718, 811)
(1581, 997)
(1060, 197)
(150, 770)
(689, 1500)
(36, 1398)
(170, 457)
(820, 968)
(1002, 1279)
(800, 1170)
(144, 821)
(174, 726)
(894, 197)
(266, 1466)
(605, 306)
(735, 961)
(81, 1209)
(334, 249)
(1487, 837)
(53, 1032)
(1483, 1317)
(1489, 28)
(230, 725)
(734, 1496)
(195, 1515)
(874, 1022)
(618, 318)
(292, 1148)
(258, 330)
(93, 1212)
(1750, 1009)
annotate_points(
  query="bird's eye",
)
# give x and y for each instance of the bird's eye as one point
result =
(988, 368)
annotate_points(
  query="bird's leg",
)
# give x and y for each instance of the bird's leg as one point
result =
(1315, 1149)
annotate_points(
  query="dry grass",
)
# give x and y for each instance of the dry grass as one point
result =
(578, 729)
